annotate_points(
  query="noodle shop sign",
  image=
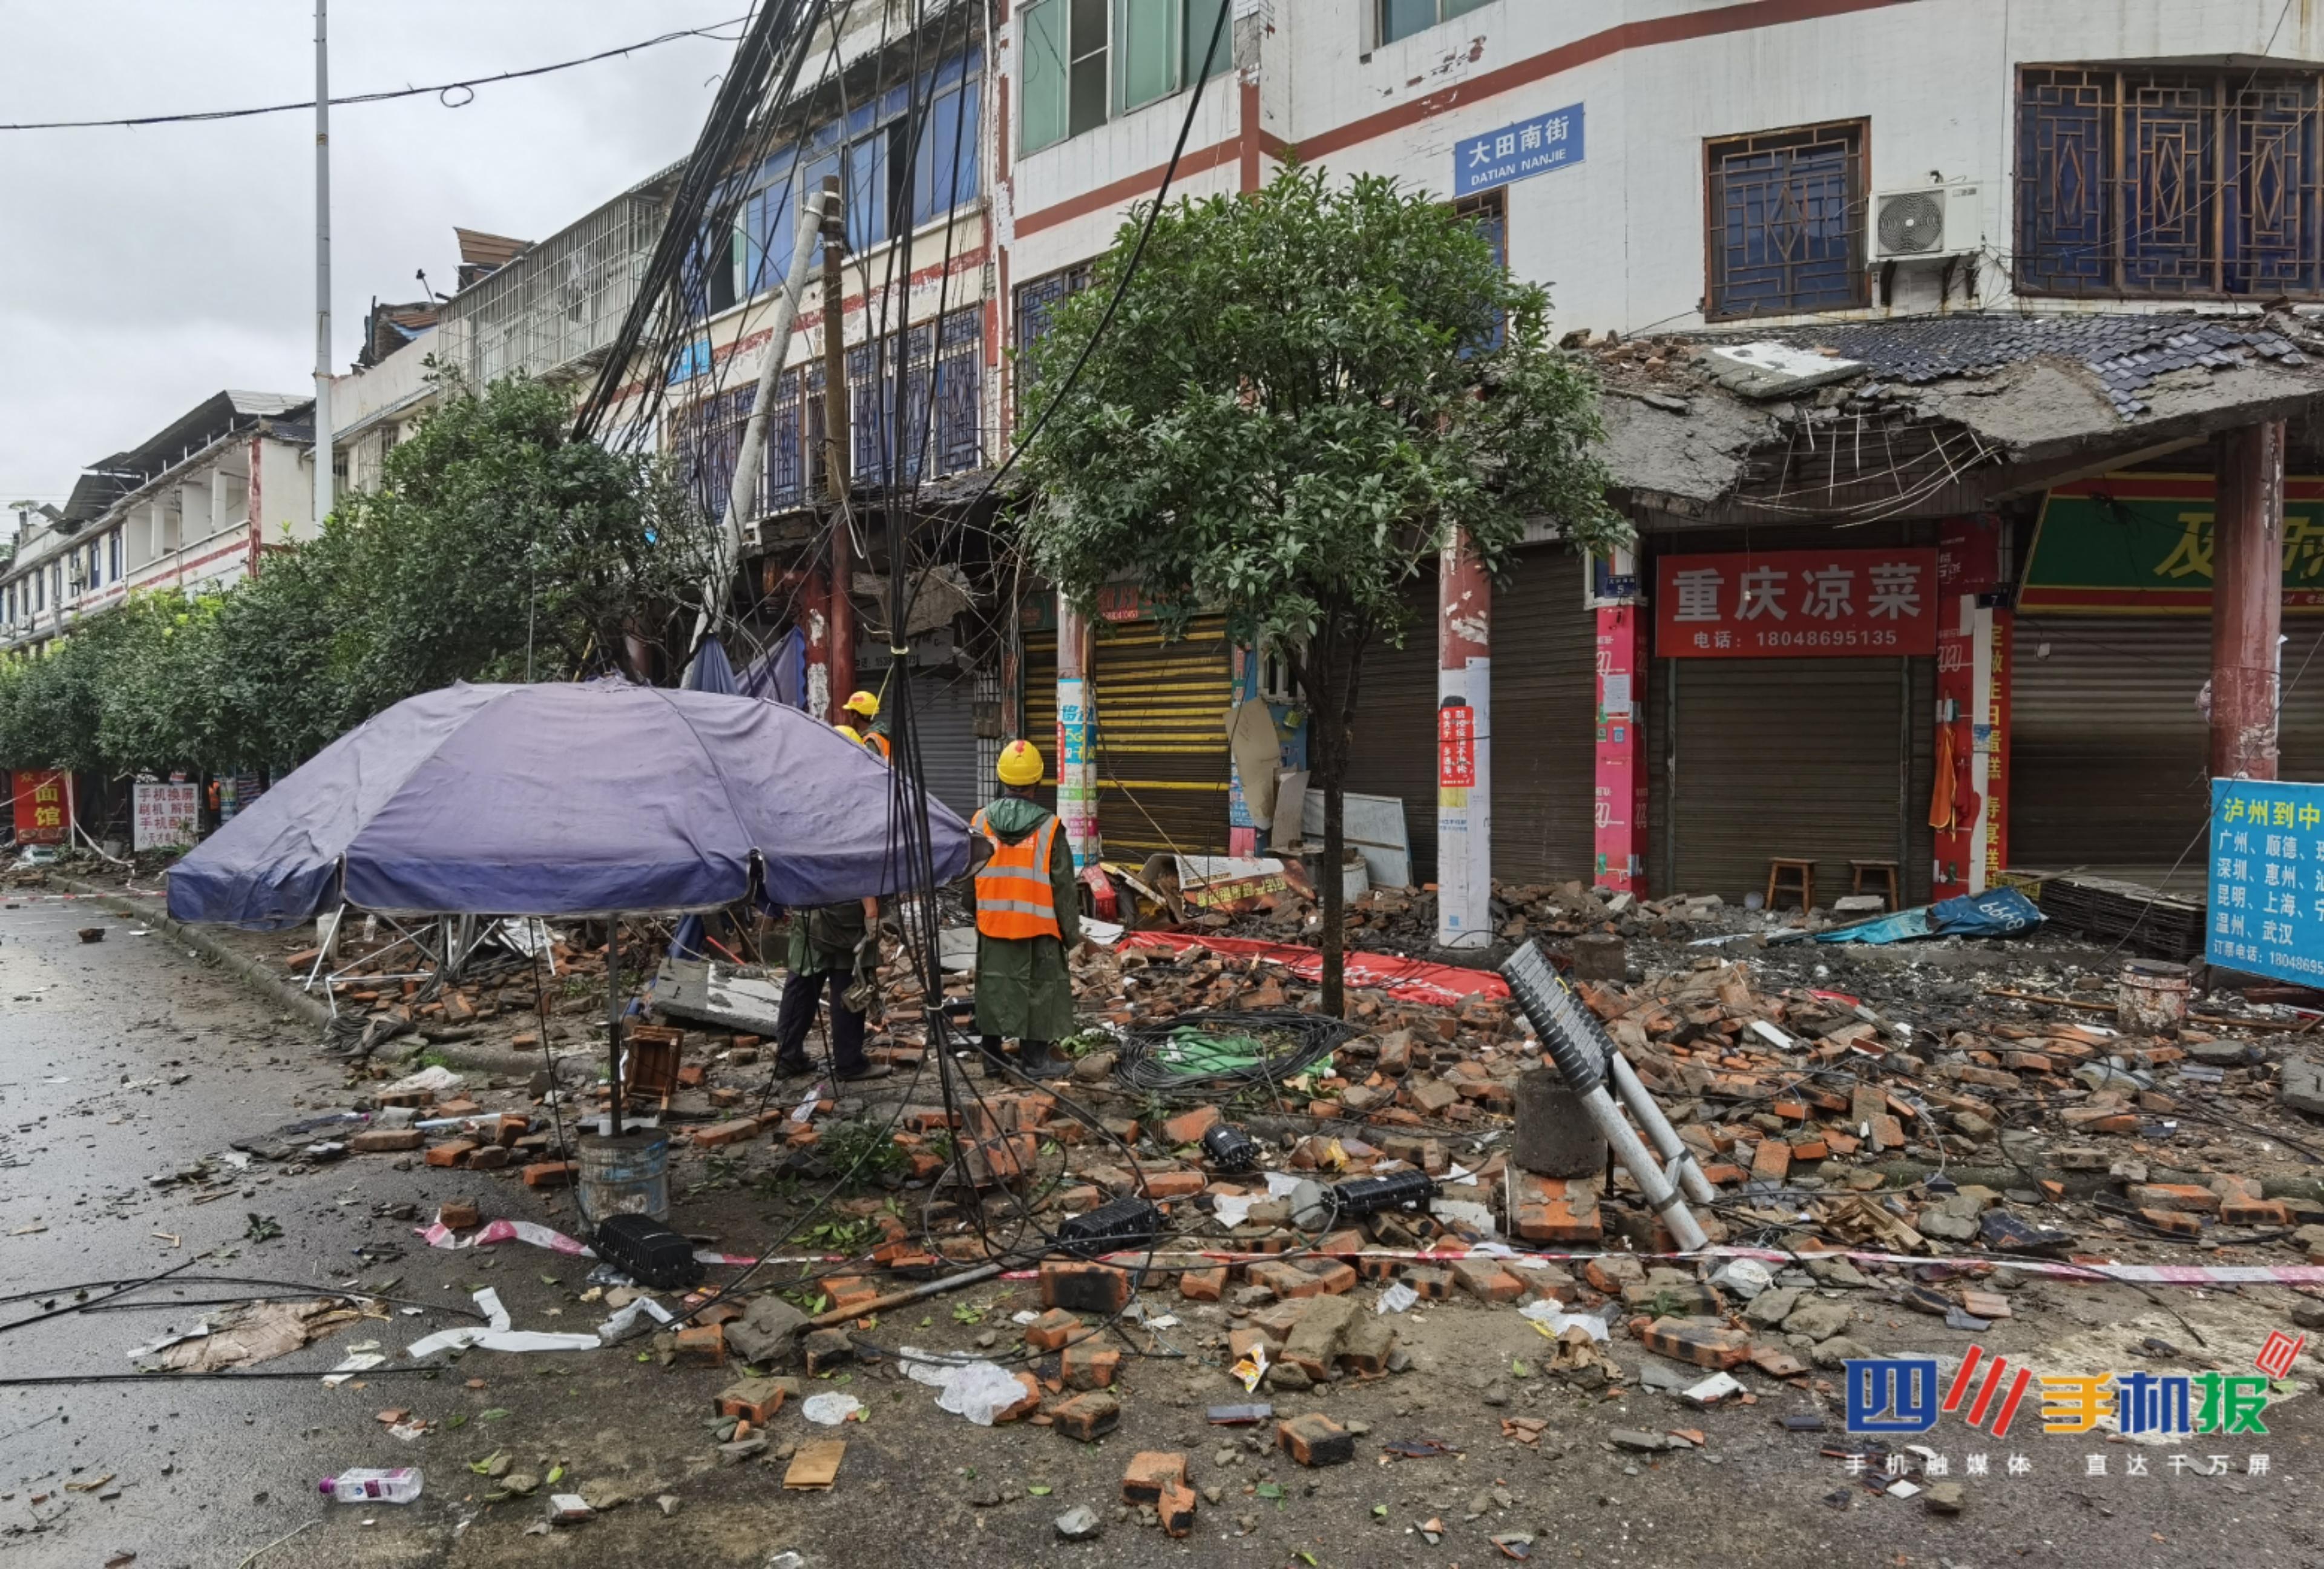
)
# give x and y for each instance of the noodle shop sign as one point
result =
(1767, 604)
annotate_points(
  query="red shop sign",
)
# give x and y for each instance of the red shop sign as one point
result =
(43, 806)
(1795, 604)
(1456, 747)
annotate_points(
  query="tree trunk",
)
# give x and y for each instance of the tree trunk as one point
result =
(1335, 894)
(1328, 672)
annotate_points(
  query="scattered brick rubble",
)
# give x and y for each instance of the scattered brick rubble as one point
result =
(1971, 1120)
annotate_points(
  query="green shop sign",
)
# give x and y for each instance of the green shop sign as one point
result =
(2142, 544)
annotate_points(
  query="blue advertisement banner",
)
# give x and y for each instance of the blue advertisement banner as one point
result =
(1547, 140)
(2267, 879)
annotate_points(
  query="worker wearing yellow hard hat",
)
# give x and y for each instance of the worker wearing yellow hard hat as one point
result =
(874, 735)
(1028, 915)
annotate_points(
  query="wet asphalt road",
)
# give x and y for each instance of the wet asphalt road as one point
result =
(119, 1061)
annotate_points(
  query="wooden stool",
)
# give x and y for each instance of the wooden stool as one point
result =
(1880, 872)
(1797, 877)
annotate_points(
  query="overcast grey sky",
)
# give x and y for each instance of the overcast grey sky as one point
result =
(143, 270)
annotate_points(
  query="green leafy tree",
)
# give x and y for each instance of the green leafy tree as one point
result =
(1303, 392)
(497, 548)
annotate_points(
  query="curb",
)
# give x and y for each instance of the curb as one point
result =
(474, 1057)
(245, 968)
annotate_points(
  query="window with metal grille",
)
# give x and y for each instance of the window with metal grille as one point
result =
(937, 430)
(2169, 182)
(1037, 308)
(1785, 221)
(1489, 212)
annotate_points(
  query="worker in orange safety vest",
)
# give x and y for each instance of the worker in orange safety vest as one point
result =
(865, 706)
(1027, 917)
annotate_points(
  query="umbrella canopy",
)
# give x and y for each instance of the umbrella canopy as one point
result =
(562, 801)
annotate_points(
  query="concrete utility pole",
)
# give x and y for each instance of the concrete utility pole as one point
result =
(752, 460)
(2247, 601)
(1464, 749)
(836, 445)
(322, 263)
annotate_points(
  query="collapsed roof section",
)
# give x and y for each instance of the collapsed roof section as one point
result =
(1931, 416)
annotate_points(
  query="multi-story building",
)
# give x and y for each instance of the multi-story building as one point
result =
(2026, 286)
(187, 510)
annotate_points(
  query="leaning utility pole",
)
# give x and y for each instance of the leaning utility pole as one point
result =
(742, 490)
(835, 448)
(322, 264)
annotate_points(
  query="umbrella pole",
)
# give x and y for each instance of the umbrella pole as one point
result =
(613, 1019)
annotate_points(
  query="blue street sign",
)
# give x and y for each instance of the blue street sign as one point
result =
(1533, 147)
(2267, 879)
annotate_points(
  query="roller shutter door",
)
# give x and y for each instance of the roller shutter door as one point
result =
(1163, 769)
(1545, 716)
(1041, 707)
(1544, 724)
(1809, 759)
(2110, 752)
(1393, 752)
(943, 706)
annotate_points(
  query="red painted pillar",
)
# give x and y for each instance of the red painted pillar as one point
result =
(1464, 749)
(2247, 602)
(1618, 794)
(1970, 793)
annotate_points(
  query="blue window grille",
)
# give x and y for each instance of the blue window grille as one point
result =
(1786, 222)
(2174, 183)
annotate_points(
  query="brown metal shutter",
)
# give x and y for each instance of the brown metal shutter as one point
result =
(1163, 770)
(1544, 714)
(1795, 758)
(2109, 753)
(1544, 722)
(1163, 767)
(1393, 752)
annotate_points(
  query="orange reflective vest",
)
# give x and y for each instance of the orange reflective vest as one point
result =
(879, 744)
(1014, 897)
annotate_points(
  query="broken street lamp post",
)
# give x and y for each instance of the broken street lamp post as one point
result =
(2247, 601)
(1558, 1018)
(749, 463)
(835, 442)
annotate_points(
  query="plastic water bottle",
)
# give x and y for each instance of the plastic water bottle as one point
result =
(363, 1486)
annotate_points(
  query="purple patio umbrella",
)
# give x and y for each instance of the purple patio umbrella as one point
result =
(589, 799)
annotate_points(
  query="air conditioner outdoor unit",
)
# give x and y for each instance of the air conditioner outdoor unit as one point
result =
(1928, 221)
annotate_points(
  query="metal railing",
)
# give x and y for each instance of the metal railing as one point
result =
(556, 303)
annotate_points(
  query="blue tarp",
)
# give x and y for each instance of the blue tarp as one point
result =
(1998, 912)
(562, 800)
(778, 675)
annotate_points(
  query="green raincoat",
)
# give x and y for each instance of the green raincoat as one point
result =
(1023, 990)
(823, 938)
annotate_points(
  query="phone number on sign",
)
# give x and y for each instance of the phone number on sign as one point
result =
(1831, 637)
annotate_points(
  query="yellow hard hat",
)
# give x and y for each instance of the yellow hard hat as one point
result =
(850, 731)
(1020, 763)
(864, 703)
